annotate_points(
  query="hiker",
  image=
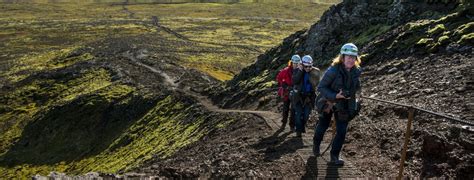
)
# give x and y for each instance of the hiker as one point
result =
(305, 80)
(338, 89)
(285, 83)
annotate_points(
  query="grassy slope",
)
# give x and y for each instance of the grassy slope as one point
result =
(57, 113)
(79, 121)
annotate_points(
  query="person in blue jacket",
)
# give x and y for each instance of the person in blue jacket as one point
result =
(305, 81)
(338, 87)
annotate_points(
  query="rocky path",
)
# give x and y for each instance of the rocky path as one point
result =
(267, 115)
(316, 167)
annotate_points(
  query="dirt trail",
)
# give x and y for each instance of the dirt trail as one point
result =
(267, 115)
(166, 77)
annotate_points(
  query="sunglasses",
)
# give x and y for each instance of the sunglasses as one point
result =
(307, 66)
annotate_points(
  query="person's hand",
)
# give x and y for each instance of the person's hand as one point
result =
(340, 96)
(328, 107)
(300, 66)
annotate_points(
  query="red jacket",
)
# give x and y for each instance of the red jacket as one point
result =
(284, 77)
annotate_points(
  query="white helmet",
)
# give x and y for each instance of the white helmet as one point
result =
(307, 60)
(349, 49)
(295, 59)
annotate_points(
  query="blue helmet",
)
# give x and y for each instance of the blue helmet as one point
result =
(349, 49)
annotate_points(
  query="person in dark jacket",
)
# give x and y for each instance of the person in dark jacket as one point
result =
(339, 86)
(305, 80)
(284, 79)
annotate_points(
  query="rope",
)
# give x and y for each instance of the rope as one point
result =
(423, 110)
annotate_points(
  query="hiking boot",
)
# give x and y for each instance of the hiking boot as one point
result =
(316, 151)
(336, 161)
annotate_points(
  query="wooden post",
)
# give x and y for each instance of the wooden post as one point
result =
(411, 114)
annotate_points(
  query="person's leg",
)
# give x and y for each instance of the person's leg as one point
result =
(298, 114)
(320, 129)
(307, 112)
(286, 108)
(292, 118)
(341, 130)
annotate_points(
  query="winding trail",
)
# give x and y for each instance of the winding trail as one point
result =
(166, 77)
(202, 99)
(316, 167)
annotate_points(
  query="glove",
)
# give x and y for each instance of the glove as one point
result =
(328, 106)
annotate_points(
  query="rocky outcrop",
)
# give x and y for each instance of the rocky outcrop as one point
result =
(357, 21)
(348, 21)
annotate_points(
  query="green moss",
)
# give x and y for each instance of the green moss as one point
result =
(219, 74)
(414, 26)
(369, 33)
(223, 125)
(45, 61)
(258, 79)
(443, 40)
(269, 84)
(28, 100)
(425, 41)
(163, 130)
(60, 62)
(464, 29)
(467, 39)
(115, 91)
(429, 35)
(89, 82)
(446, 18)
(363, 56)
(439, 28)
(431, 46)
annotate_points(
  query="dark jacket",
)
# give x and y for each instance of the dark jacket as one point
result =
(336, 78)
(298, 80)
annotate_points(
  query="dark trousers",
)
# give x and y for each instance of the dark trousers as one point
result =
(301, 116)
(288, 111)
(322, 126)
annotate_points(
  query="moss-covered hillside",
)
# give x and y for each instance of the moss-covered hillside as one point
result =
(84, 117)
(381, 31)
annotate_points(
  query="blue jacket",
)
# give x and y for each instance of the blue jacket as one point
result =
(333, 81)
